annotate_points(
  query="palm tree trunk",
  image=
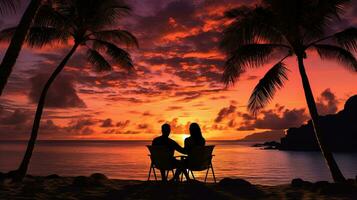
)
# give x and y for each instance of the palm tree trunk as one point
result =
(16, 43)
(22, 170)
(334, 169)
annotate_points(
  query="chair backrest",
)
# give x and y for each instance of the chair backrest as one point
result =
(200, 158)
(161, 157)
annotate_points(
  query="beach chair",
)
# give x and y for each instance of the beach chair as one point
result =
(162, 159)
(200, 159)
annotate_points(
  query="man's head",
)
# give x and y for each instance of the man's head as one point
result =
(165, 129)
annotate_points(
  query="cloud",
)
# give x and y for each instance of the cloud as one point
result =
(327, 102)
(195, 94)
(224, 112)
(119, 132)
(49, 127)
(81, 126)
(170, 108)
(16, 118)
(289, 118)
(274, 119)
(176, 16)
(17, 124)
(122, 124)
(107, 123)
(162, 86)
(177, 127)
(116, 98)
(60, 95)
(143, 126)
(147, 113)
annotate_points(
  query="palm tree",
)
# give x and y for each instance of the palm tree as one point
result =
(89, 24)
(18, 38)
(287, 28)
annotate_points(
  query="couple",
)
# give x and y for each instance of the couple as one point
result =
(195, 140)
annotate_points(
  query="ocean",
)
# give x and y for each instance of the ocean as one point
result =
(129, 160)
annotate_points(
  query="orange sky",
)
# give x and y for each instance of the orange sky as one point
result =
(177, 81)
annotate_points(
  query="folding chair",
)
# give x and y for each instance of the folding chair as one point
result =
(200, 159)
(162, 159)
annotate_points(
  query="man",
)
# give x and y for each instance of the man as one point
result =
(164, 140)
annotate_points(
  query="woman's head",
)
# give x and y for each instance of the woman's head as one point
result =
(195, 131)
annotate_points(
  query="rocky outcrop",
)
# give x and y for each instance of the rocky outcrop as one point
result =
(339, 131)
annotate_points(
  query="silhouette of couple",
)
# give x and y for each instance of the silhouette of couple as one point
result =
(195, 140)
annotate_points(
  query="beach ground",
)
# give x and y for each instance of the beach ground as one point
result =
(97, 186)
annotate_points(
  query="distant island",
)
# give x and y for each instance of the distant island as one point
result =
(265, 136)
(340, 131)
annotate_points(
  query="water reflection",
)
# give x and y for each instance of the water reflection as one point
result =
(129, 160)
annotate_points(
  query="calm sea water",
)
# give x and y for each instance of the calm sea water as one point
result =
(129, 160)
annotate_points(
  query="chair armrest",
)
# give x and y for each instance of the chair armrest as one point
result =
(181, 157)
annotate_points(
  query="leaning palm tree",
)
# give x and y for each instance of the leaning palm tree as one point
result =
(89, 24)
(18, 37)
(258, 35)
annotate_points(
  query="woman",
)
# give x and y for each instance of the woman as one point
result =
(195, 140)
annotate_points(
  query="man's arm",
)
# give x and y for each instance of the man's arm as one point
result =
(178, 148)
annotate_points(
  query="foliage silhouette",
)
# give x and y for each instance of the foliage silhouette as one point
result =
(287, 28)
(87, 24)
(8, 6)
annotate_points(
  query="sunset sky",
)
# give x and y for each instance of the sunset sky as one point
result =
(177, 80)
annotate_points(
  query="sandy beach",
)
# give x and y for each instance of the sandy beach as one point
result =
(98, 186)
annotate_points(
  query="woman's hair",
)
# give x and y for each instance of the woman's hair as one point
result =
(195, 131)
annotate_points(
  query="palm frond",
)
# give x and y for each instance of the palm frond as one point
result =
(97, 14)
(238, 12)
(264, 91)
(232, 72)
(319, 16)
(117, 36)
(48, 16)
(6, 34)
(254, 55)
(347, 38)
(114, 12)
(253, 27)
(251, 55)
(41, 36)
(332, 9)
(98, 61)
(119, 55)
(339, 54)
(8, 6)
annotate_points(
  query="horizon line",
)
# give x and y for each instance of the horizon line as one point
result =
(116, 140)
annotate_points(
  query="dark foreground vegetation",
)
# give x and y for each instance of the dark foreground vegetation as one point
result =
(98, 186)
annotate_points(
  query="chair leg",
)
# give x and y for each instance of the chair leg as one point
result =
(181, 176)
(149, 172)
(173, 173)
(206, 175)
(193, 176)
(153, 169)
(214, 177)
(186, 172)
